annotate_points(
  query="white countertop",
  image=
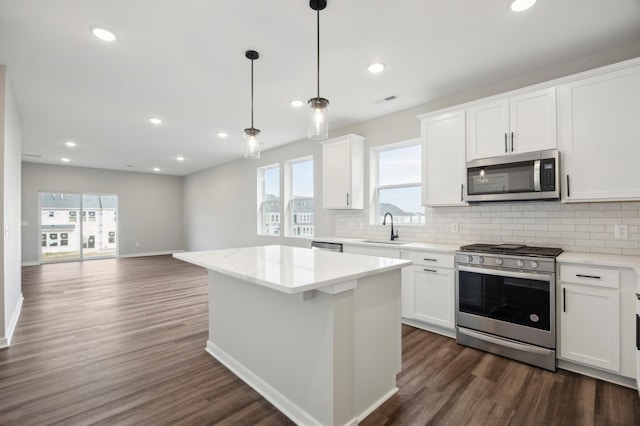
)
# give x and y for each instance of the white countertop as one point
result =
(400, 245)
(613, 260)
(291, 269)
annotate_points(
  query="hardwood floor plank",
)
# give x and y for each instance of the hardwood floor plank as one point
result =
(121, 342)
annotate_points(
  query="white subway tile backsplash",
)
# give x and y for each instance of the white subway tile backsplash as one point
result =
(587, 227)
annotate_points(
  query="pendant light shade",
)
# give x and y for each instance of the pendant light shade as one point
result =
(318, 127)
(251, 140)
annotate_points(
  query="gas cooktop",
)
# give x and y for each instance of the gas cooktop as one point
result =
(513, 249)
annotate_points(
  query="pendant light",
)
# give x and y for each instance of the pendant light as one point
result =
(251, 141)
(318, 127)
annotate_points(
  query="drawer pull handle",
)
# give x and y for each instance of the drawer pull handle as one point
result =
(429, 270)
(429, 259)
(564, 300)
(595, 277)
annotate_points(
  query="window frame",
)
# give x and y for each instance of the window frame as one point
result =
(288, 198)
(260, 177)
(375, 187)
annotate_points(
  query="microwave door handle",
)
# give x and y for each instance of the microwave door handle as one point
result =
(536, 175)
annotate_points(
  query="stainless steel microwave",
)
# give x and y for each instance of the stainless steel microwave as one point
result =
(517, 177)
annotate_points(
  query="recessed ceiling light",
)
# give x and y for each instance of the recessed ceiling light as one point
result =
(156, 169)
(154, 120)
(376, 67)
(180, 158)
(222, 135)
(66, 160)
(103, 34)
(70, 144)
(520, 5)
(296, 103)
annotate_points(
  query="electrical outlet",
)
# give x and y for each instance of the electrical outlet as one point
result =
(620, 232)
(454, 228)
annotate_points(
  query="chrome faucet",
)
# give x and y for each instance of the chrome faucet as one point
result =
(394, 235)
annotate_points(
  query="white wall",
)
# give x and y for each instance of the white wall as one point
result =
(11, 152)
(149, 206)
(221, 203)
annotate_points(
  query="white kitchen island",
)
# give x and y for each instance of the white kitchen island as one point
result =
(317, 333)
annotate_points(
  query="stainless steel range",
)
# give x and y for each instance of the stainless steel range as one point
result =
(505, 301)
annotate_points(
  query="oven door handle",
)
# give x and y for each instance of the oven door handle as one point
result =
(506, 343)
(510, 274)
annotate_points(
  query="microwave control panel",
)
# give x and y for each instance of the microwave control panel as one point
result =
(548, 174)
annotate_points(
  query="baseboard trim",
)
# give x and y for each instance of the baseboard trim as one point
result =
(290, 409)
(6, 341)
(429, 327)
(596, 373)
(376, 404)
(152, 253)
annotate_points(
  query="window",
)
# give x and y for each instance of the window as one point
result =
(269, 200)
(299, 183)
(397, 183)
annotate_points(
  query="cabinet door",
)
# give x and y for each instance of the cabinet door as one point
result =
(599, 134)
(443, 159)
(487, 130)
(433, 295)
(532, 121)
(590, 326)
(336, 173)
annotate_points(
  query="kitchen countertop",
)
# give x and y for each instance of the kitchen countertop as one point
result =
(401, 245)
(613, 260)
(289, 269)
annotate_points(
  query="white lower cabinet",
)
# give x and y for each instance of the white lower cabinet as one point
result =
(590, 321)
(596, 321)
(428, 291)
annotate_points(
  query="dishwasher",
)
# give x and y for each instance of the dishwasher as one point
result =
(321, 245)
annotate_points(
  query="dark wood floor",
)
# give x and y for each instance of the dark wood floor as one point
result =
(121, 341)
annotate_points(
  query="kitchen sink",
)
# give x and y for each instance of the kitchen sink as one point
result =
(395, 243)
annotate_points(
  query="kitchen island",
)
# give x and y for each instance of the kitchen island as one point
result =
(317, 333)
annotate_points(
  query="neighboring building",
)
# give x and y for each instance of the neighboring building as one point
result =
(302, 216)
(270, 210)
(61, 230)
(399, 215)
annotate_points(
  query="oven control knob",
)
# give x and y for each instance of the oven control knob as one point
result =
(469, 258)
(499, 261)
(480, 259)
(534, 264)
(520, 263)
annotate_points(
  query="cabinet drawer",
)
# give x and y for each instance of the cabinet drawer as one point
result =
(428, 258)
(599, 277)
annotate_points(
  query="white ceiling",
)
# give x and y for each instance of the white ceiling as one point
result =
(183, 61)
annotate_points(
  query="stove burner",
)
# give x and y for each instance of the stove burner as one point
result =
(513, 249)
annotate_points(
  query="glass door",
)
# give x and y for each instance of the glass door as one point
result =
(99, 225)
(60, 228)
(78, 226)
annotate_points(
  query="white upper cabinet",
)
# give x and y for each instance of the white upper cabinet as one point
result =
(343, 172)
(522, 123)
(599, 136)
(443, 158)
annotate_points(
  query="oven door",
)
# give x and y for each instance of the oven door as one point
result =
(511, 304)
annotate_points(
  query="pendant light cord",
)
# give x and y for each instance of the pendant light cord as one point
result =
(318, 51)
(252, 93)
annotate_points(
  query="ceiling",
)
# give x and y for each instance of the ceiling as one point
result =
(184, 62)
